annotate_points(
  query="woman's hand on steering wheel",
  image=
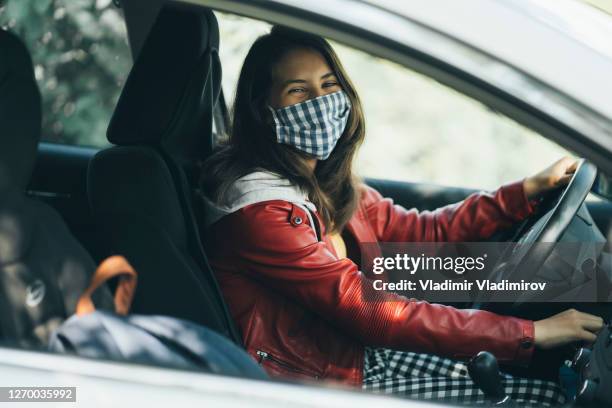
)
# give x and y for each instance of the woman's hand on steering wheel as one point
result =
(567, 327)
(556, 175)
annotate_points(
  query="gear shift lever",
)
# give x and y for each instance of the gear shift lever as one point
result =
(484, 371)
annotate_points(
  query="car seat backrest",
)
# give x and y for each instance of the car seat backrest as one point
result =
(43, 269)
(20, 114)
(139, 190)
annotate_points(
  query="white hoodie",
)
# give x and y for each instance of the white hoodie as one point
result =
(254, 188)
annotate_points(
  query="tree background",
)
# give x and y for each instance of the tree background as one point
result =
(81, 59)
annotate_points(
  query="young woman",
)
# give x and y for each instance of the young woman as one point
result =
(286, 216)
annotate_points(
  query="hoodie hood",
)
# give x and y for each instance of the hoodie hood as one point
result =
(254, 188)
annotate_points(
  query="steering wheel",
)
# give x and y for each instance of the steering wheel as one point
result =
(538, 234)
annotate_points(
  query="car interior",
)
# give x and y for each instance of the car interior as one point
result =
(63, 209)
(161, 128)
(43, 266)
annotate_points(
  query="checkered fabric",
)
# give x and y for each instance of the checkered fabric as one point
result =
(429, 377)
(313, 126)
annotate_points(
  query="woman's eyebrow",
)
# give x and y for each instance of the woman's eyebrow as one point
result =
(302, 81)
(291, 81)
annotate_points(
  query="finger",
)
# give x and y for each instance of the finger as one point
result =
(566, 165)
(592, 325)
(587, 336)
(563, 180)
(590, 316)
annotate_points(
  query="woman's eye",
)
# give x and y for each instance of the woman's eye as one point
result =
(296, 90)
(329, 84)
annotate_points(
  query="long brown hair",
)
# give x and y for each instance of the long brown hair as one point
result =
(252, 142)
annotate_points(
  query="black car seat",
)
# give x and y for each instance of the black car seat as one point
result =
(43, 269)
(139, 190)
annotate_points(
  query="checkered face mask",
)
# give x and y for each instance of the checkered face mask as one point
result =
(313, 126)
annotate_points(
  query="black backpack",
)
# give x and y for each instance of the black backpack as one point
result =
(157, 340)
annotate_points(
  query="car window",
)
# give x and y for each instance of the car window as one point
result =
(81, 58)
(416, 128)
(420, 130)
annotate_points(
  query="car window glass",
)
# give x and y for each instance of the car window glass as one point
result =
(417, 129)
(81, 58)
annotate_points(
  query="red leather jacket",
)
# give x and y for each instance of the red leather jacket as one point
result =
(300, 308)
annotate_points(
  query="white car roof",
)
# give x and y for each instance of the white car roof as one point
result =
(563, 43)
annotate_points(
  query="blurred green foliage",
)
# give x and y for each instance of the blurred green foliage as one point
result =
(81, 58)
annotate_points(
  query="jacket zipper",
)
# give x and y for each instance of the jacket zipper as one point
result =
(267, 356)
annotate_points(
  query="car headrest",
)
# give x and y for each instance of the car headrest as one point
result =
(20, 114)
(170, 93)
